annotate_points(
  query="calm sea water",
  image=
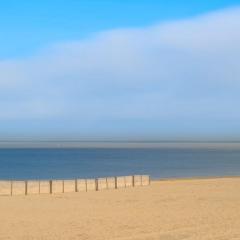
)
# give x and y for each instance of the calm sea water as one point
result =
(84, 163)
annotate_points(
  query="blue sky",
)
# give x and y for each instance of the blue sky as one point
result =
(27, 26)
(120, 69)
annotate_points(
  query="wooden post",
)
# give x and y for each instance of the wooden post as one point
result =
(86, 184)
(106, 183)
(50, 186)
(149, 180)
(133, 181)
(11, 188)
(63, 186)
(115, 178)
(96, 184)
(39, 187)
(76, 185)
(26, 187)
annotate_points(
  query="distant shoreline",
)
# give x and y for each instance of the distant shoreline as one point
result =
(151, 179)
(194, 178)
(119, 144)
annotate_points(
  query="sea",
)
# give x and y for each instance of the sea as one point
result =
(159, 163)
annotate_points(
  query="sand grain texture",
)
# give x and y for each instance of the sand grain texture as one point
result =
(167, 210)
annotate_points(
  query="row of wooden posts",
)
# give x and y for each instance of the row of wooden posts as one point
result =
(96, 181)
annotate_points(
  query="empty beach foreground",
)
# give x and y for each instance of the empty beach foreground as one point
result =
(191, 209)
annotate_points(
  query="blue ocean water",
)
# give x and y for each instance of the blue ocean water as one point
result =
(85, 163)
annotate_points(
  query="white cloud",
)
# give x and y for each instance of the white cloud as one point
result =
(179, 70)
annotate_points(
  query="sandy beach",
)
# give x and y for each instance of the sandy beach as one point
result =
(190, 209)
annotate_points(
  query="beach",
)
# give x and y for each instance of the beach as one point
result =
(191, 209)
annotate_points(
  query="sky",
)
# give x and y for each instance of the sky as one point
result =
(120, 70)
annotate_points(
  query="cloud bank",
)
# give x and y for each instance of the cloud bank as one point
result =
(175, 78)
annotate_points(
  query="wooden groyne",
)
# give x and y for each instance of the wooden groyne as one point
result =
(29, 187)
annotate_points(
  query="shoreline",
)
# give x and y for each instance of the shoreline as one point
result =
(152, 179)
(194, 178)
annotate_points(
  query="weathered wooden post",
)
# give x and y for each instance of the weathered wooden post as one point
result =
(11, 187)
(50, 186)
(115, 178)
(26, 187)
(96, 184)
(76, 185)
(38, 187)
(133, 181)
(106, 183)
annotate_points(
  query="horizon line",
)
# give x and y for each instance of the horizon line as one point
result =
(119, 144)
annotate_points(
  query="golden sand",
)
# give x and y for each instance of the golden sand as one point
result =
(198, 209)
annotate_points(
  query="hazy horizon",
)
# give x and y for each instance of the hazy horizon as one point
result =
(120, 144)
